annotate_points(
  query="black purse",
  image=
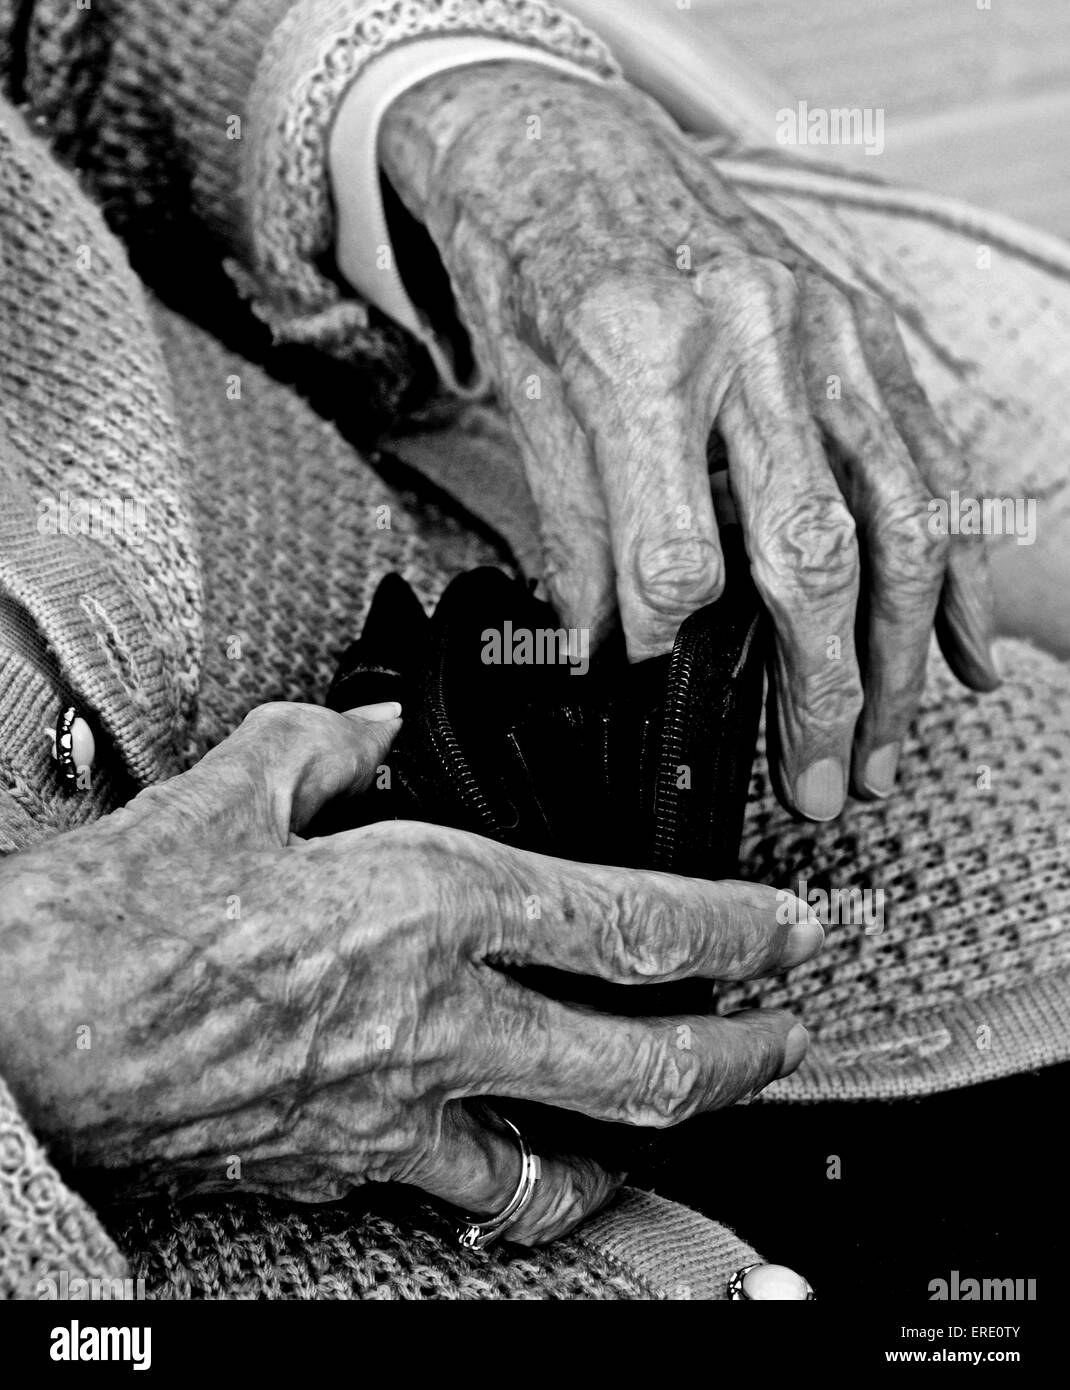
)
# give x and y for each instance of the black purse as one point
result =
(511, 730)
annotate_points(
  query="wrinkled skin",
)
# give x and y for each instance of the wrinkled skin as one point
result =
(329, 1011)
(565, 254)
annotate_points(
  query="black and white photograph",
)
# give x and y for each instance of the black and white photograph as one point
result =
(534, 674)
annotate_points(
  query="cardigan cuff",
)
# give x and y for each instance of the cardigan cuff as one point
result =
(278, 161)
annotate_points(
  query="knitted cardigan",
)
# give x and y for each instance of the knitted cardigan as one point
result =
(165, 291)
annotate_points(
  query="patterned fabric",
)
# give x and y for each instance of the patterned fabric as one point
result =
(256, 1249)
(301, 513)
(44, 1227)
(953, 970)
(201, 126)
(392, 1246)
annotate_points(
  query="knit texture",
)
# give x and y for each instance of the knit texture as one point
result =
(200, 126)
(88, 417)
(44, 1227)
(396, 1248)
(960, 972)
(300, 514)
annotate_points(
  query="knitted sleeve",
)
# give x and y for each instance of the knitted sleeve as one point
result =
(201, 127)
(49, 1237)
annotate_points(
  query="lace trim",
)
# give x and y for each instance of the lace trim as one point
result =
(45, 1229)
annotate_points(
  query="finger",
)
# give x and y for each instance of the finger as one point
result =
(652, 1073)
(282, 764)
(965, 618)
(646, 400)
(800, 538)
(634, 927)
(476, 1166)
(904, 559)
(559, 466)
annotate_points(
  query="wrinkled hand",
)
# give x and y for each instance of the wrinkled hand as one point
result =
(630, 308)
(329, 1011)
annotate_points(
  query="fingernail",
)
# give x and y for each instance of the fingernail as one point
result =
(820, 791)
(378, 714)
(879, 777)
(798, 1041)
(804, 940)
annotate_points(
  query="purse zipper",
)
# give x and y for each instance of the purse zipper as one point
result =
(453, 761)
(666, 814)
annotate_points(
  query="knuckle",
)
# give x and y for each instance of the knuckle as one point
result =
(644, 935)
(432, 854)
(809, 551)
(758, 294)
(419, 894)
(670, 1089)
(675, 575)
(279, 714)
(749, 279)
(282, 723)
(914, 551)
(618, 326)
(416, 836)
(505, 890)
(158, 798)
(773, 278)
(830, 696)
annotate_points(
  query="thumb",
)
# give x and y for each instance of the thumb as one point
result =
(348, 768)
(323, 758)
(282, 764)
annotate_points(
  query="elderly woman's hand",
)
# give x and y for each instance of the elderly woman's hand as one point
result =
(628, 305)
(193, 991)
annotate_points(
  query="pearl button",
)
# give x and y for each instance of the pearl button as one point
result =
(761, 1283)
(73, 744)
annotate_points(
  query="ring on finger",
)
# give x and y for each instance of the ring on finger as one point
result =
(476, 1234)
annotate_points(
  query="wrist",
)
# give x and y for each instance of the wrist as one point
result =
(495, 134)
(88, 1000)
(48, 1015)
